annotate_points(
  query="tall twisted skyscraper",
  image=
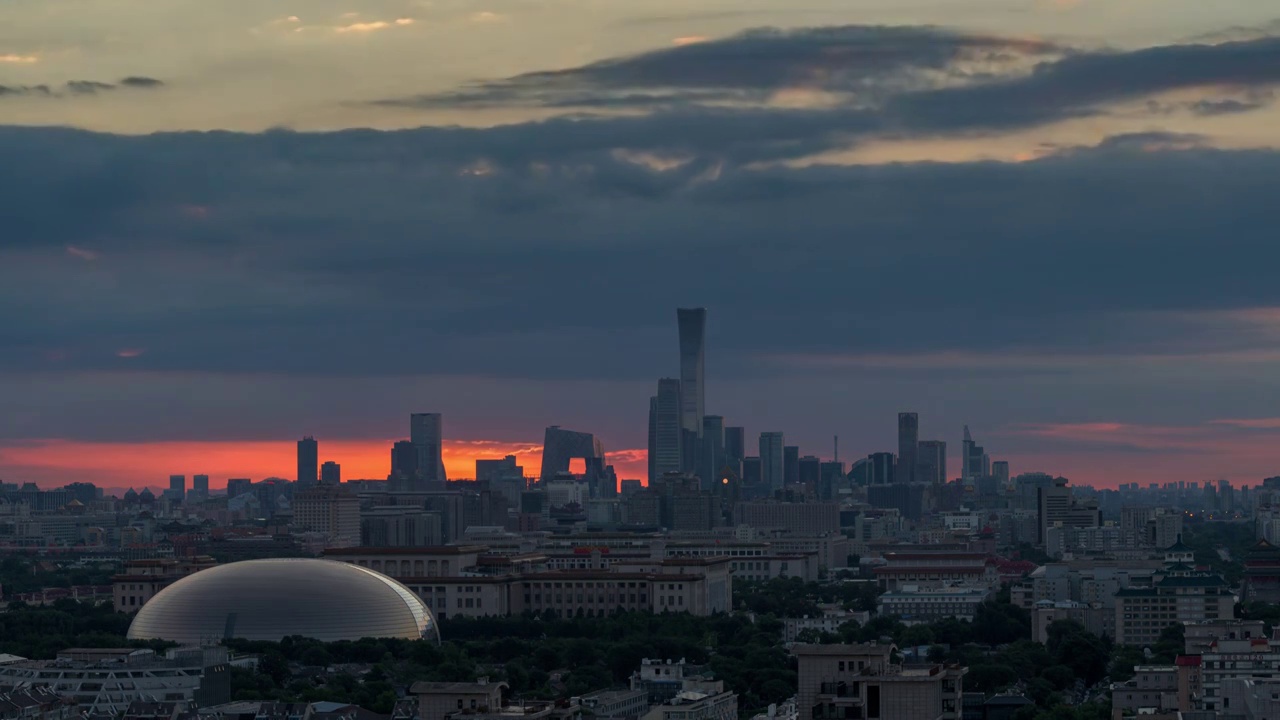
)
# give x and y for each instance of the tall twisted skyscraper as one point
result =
(693, 330)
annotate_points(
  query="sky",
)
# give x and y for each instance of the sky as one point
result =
(227, 225)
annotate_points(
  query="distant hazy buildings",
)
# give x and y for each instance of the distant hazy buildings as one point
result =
(908, 447)
(772, 464)
(308, 462)
(426, 432)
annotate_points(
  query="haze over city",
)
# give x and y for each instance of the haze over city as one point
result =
(229, 225)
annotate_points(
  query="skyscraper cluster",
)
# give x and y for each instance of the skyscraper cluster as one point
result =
(684, 440)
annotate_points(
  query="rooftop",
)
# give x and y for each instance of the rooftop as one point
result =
(424, 687)
(843, 650)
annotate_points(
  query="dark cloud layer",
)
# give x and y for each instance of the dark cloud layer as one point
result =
(856, 60)
(460, 251)
(898, 80)
(558, 248)
(78, 87)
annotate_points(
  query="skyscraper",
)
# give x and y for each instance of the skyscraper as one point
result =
(771, 461)
(693, 329)
(973, 460)
(308, 462)
(713, 461)
(693, 326)
(1000, 471)
(200, 486)
(809, 472)
(238, 486)
(881, 470)
(790, 464)
(330, 473)
(404, 462)
(426, 432)
(177, 486)
(931, 466)
(735, 448)
(668, 433)
(908, 447)
(561, 447)
(653, 438)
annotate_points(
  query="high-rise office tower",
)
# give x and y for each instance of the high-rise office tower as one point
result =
(1000, 471)
(177, 486)
(931, 466)
(771, 462)
(308, 462)
(831, 479)
(330, 473)
(713, 461)
(974, 460)
(426, 432)
(790, 464)
(404, 462)
(693, 330)
(752, 474)
(908, 447)
(693, 327)
(653, 438)
(809, 471)
(881, 470)
(238, 486)
(668, 435)
(735, 448)
(200, 485)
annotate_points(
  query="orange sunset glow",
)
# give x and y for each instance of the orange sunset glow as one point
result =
(51, 463)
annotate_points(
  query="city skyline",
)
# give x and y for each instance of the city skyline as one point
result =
(1052, 225)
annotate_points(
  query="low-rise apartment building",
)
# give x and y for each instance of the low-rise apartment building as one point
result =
(861, 682)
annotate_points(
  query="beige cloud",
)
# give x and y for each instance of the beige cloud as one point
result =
(689, 40)
(374, 26)
(485, 16)
(19, 59)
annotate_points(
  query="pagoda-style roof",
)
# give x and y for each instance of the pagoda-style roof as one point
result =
(1263, 550)
(1178, 547)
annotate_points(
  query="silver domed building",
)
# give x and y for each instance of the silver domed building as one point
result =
(276, 598)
